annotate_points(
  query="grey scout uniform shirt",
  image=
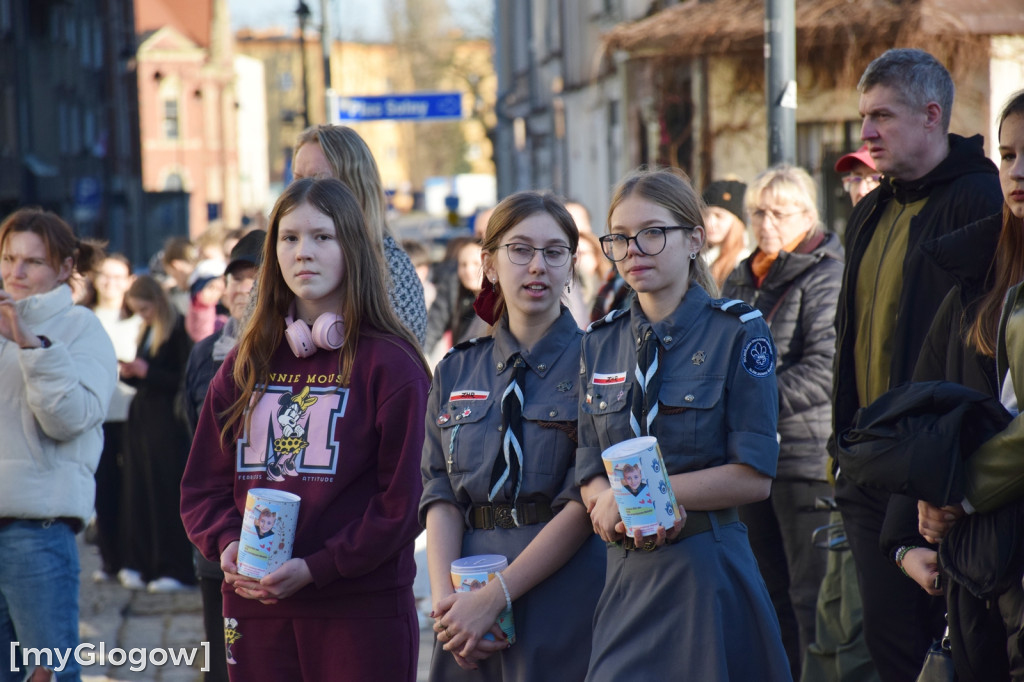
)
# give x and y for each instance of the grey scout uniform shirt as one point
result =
(463, 421)
(719, 398)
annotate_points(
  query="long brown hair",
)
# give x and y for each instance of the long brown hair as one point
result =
(364, 299)
(669, 188)
(147, 289)
(729, 251)
(1008, 264)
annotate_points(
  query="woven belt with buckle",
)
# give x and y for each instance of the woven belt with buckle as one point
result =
(489, 516)
(696, 522)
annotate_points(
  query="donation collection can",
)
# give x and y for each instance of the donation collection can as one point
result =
(473, 572)
(641, 486)
(268, 531)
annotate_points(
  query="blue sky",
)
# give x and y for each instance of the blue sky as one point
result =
(354, 19)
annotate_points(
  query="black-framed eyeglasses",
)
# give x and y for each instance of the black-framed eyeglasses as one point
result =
(650, 241)
(555, 255)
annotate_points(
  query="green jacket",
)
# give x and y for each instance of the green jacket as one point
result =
(995, 472)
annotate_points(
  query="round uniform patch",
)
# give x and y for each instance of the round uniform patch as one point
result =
(758, 357)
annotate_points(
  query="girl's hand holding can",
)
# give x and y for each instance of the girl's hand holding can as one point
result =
(604, 514)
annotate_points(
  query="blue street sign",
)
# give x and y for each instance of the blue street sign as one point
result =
(410, 107)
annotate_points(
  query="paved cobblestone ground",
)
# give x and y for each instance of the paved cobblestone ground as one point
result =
(113, 617)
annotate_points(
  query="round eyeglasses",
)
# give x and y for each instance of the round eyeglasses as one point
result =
(650, 241)
(555, 255)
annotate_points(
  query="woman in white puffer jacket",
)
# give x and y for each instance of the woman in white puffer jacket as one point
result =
(57, 374)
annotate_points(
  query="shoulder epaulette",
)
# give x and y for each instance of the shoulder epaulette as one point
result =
(737, 308)
(468, 344)
(610, 317)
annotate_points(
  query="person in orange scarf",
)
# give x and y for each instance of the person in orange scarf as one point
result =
(793, 277)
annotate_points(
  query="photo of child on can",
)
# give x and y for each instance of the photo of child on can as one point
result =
(636, 472)
(268, 531)
(472, 573)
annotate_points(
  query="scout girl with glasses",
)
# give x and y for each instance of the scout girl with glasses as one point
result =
(498, 463)
(698, 374)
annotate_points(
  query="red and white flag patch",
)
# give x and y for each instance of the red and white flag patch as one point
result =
(606, 379)
(468, 394)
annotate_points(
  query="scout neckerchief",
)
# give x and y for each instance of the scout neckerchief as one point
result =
(644, 406)
(510, 459)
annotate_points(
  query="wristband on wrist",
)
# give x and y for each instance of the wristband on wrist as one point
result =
(901, 554)
(504, 588)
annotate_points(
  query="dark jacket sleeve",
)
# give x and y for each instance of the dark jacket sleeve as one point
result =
(208, 509)
(167, 366)
(808, 382)
(439, 317)
(932, 362)
(900, 526)
(199, 373)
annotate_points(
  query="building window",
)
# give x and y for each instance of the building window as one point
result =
(86, 43)
(5, 16)
(171, 131)
(63, 133)
(97, 43)
(173, 183)
(89, 133)
(75, 121)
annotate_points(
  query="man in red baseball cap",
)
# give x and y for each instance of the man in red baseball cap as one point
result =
(859, 174)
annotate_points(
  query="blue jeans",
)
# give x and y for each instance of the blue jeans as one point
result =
(38, 595)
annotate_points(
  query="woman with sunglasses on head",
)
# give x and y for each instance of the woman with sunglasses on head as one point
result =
(323, 397)
(698, 374)
(498, 463)
(793, 278)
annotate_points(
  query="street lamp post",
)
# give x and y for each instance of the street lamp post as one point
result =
(780, 80)
(302, 12)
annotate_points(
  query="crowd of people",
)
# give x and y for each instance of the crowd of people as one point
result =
(473, 398)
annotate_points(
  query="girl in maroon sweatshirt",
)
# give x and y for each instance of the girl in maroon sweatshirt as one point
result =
(342, 428)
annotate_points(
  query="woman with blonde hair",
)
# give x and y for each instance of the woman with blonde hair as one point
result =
(323, 397)
(698, 374)
(156, 553)
(793, 278)
(337, 151)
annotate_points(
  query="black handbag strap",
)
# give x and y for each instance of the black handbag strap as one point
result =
(778, 304)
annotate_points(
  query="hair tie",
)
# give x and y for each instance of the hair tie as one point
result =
(486, 302)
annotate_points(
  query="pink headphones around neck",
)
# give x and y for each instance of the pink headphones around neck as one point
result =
(328, 333)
